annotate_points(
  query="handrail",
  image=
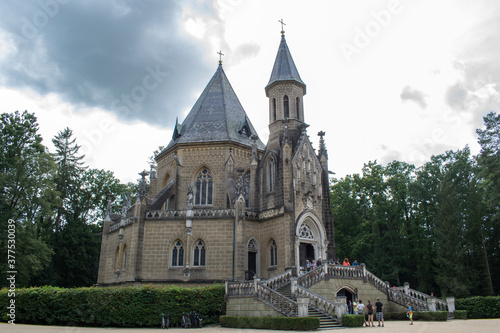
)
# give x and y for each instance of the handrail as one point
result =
(239, 289)
(278, 281)
(403, 299)
(346, 272)
(310, 278)
(277, 301)
(318, 302)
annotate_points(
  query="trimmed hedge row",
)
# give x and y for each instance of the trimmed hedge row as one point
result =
(116, 307)
(272, 323)
(479, 307)
(352, 320)
(417, 315)
(460, 314)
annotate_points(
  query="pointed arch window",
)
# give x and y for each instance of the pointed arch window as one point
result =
(199, 254)
(178, 254)
(286, 107)
(272, 174)
(246, 180)
(204, 188)
(273, 253)
(124, 263)
(297, 107)
(117, 254)
(274, 109)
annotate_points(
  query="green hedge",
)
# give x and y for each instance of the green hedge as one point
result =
(352, 320)
(460, 314)
(117, 307)
(272, 323)
(417, 315)
(479, 307)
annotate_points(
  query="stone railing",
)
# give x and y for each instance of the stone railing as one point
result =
(276, 300)
(376, 282)
(239, 289)
(197, 213)
(345, 272)
(318, 302)
(310, 278)
(433, 304)
(278, 281)
(401, 298)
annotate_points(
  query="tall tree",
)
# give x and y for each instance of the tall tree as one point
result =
(27, 193)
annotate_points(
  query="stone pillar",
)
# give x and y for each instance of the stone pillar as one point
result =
(303, 303)
(407, 288)
(256, 282)
(363, 267)
(293, 286)
(451, 304)
(340, 306)
(431, 303)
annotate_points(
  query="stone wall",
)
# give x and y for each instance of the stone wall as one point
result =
(249, 307)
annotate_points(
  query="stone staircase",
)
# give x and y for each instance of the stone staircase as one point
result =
(284, 291)
(325, 322)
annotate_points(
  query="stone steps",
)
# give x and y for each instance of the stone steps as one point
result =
(325, 322)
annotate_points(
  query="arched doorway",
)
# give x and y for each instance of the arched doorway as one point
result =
(349, 294)
(252, 259)
(310, 239)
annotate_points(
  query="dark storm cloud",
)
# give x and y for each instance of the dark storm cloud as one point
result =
(131, 57)
(411, 94)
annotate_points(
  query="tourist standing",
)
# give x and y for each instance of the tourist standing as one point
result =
(361, 310)
(346, 262)
(410, 314)
(369, 307)
(380, 311)
(319, 262)
(308, 265)
(355, 306)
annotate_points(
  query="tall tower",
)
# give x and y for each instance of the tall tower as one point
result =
(285, 91)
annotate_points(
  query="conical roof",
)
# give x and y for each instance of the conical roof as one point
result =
(216, 116)
(284, 68)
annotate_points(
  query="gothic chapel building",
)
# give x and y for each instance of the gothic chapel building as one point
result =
(222, 204)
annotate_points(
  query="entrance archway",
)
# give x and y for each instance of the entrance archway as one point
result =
(252, 259)
(310, 239)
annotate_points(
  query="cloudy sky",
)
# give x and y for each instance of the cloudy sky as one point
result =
(385, 79)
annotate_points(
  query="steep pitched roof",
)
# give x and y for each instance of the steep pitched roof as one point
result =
(216, 116)
(284, 68)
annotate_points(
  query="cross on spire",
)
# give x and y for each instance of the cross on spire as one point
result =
(282, 24)
(220, 56)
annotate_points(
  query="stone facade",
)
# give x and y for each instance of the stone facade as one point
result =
(221, 204)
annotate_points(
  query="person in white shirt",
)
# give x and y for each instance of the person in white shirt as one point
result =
(361, 310)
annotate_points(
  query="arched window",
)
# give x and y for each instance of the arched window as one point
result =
(273, 253)
(178, 254)
(199, 254)
(274, 109)
(286, 108)
(297, 107)
(117, 256)
(246, 180)
(170, 203)
(124, 264)
(204, 188)
(272, 174)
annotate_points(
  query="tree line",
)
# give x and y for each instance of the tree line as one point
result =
(435, 226)
(57, 204)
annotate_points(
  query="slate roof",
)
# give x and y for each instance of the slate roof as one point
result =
(216, 116)
(284, 68)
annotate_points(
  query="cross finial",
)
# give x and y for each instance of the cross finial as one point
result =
(220, 57)
(282, 24)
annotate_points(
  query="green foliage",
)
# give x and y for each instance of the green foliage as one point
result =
(418, 315)
(273, 323)
(120, 307)
(479, 307)
(460, 314)
(352, 320)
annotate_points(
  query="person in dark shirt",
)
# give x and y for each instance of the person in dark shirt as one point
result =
(379, 311)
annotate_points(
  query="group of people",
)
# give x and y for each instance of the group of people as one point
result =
(357, 307)
(310, 265)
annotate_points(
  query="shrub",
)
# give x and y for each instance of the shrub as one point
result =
(118, 306)
(460, 314)
(273, 323)
(417, 315)
(479, 307)
(352, 320)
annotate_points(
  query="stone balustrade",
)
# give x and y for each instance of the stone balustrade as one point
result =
(276, 300)
(317, 301)
(278, 281)
(182, 214)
